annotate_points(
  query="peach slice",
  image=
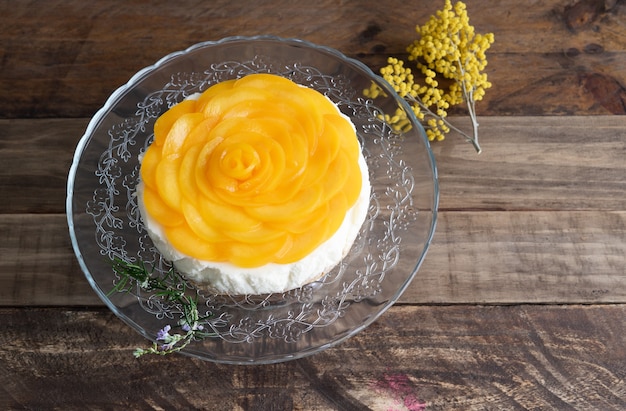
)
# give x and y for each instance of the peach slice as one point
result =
(160, 211)
(164, 123)
(179, 132)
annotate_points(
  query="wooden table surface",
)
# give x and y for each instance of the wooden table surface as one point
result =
(519, 305)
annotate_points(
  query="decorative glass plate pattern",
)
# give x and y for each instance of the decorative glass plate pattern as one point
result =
(104, 220)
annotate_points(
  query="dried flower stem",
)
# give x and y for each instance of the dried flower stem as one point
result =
(448, 51)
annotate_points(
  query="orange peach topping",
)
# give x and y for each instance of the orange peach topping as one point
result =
(256, 170)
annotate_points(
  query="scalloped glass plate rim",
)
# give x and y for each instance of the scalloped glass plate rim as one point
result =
(115, 96)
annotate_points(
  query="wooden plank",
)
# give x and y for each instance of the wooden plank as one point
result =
(35, 159)
(62, 59)
(518, 257)
(475, 257)
(38, 265)
(536, 163)
(528, 163)
(416, 358)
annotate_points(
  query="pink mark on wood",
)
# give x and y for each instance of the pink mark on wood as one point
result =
(402, 391)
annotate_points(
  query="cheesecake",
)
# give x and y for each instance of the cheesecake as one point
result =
(257, 185)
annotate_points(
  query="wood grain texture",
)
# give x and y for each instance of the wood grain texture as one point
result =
(532, 257)
(412, 358)
(475, 257)
(497, 239)
(38, 265)
(528, 163)
(536, 163)
(64, 58)
(537, 220)
(35, 159)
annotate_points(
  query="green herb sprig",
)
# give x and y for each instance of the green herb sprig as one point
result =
(172, 288)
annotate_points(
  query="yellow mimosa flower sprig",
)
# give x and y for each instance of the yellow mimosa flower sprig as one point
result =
(448, 51)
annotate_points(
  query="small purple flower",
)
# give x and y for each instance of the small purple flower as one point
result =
(166, 347)
(186, 327)
(164, 334)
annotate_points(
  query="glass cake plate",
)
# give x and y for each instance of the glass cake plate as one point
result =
(105, 224)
